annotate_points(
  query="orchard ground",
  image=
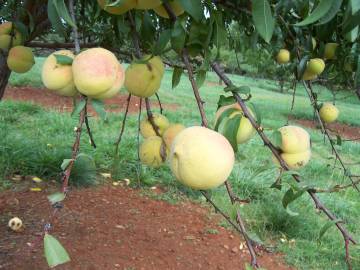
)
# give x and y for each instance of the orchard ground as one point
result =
(36, 139)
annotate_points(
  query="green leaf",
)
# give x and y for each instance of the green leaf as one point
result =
(263, 19)
(65, 163)
(163, 40)
(289, 197)
(238, 89)
(326, 227)
(176, 76)
(55, 253)
(79, 107)
(276, 139)
(335, 7)
(352, 22)
(231, 129)
(99, 107)
(178, 36)
(338, 140)
(56, 197)
(302, 66)
(63, 59)
(55, 20)
(63, 12)
(320, 11)
(223, 100)
(256, 111)
(194, 8)
(200, 77)
(225, 114)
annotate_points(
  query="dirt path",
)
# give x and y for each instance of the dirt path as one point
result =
(119, 228)
(49, 99)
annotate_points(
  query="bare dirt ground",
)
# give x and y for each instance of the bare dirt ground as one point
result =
(49, 99)
(112, 227)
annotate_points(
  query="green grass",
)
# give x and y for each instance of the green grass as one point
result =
(35, 141)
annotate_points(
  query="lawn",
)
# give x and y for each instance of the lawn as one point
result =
(35, 141)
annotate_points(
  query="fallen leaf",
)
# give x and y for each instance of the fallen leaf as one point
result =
(36, 189)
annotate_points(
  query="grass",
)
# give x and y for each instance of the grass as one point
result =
(35, 141)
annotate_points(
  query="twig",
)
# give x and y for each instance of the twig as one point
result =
(151, 117)
(92, 142)
(159, 101)
(138, 142)
(200, 103)
(117, 143)
(336, 188)
(309, 90)
(318, 204)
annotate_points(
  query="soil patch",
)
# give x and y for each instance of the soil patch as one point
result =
(120, 228)
(344, 131)
(49, 99)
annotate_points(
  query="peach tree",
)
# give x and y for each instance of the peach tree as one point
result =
(315, 41)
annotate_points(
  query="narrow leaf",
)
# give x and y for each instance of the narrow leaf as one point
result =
(263, 19)
(55, 253)
(176, 76)
(225, 114)
(326, 227)
(163, 40)
(200, 77)
(99, 107)
(54, 19)
(56, 197)
(276, 139)
(63, 12)
(194, 8)
(320, 11)
(334, 9)
(231, 129)
(65, 163)
(289, 197)
(223, 100)
(63, 59)
(79, 107)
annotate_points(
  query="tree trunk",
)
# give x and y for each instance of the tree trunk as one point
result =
(4, 75)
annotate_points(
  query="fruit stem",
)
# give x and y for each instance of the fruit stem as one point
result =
(117, 143)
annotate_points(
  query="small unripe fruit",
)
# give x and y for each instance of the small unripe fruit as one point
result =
(283, 56)
(95, 71)
(147, 130)
(171, 132)
(175, 6)
(144, 79)
(328, 112)
(5, 40)
(330, 50)
(294, 139)
(315, 66)
(151, 150)
(20, 59)
(201, 158)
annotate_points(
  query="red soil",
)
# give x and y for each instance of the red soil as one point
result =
(119, 228)
(49, 99)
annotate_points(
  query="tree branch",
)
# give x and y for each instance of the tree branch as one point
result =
(117, 143)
